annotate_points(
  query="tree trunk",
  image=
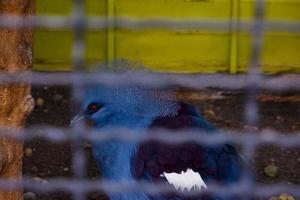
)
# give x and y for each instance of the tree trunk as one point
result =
(15, 99)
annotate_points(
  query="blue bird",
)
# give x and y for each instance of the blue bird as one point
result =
(185, 166)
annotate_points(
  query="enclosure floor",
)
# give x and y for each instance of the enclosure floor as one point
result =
(224, 109)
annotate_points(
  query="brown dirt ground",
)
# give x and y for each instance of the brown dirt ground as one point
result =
(223, 108)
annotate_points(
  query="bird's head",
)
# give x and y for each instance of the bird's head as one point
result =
(98, 104)
(104, 104)
(94, 111)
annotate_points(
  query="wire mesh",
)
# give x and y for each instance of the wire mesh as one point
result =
(253, 82)
(78, 157)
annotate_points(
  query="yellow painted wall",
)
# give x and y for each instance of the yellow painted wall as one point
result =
(172, 50)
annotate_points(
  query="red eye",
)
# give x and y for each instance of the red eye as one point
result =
(93, 107)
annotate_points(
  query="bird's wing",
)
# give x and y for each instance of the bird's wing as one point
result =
(184, 163)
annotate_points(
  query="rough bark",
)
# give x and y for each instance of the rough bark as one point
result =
(15, 99)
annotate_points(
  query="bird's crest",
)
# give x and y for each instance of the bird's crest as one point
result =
(136, 100)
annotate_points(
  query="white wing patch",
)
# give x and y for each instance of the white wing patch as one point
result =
(188, 180)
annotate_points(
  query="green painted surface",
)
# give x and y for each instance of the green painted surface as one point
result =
(171, 50)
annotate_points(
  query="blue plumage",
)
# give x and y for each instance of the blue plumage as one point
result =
(139, 109)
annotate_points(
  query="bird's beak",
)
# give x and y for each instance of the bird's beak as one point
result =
(78, 118)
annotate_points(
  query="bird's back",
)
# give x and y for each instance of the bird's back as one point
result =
(156, 161)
